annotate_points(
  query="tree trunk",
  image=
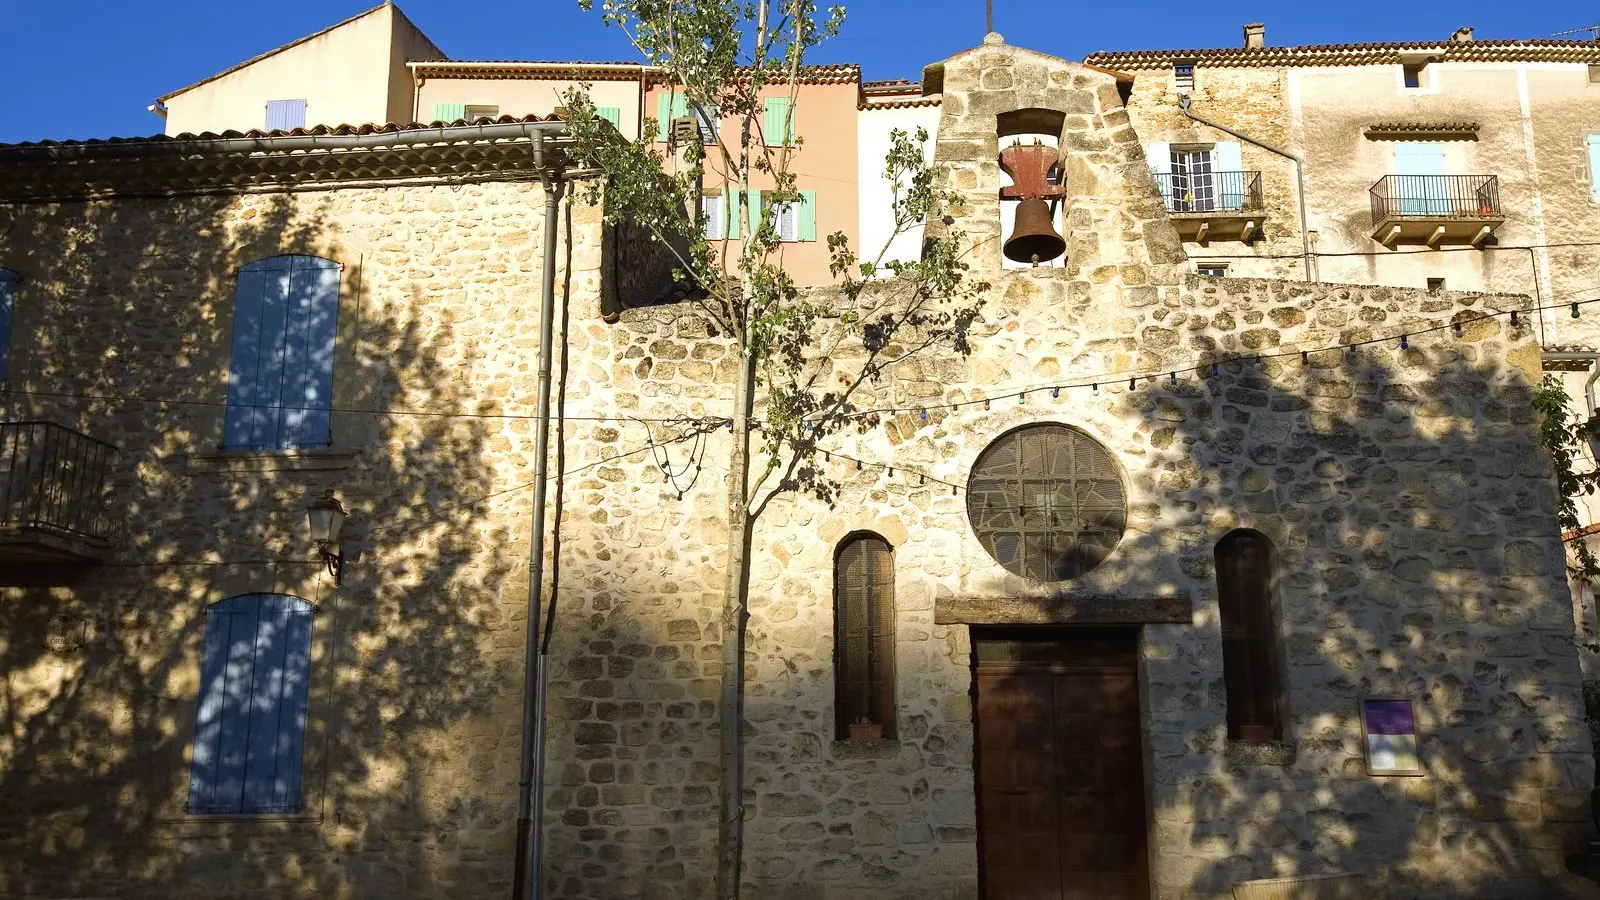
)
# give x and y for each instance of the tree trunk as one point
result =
(730, 844)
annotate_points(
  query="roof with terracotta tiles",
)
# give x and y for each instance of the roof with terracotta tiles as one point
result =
(1534, 50)
(341, 130)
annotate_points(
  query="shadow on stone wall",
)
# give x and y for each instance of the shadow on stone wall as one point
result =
(1417, 556)
(410, 712)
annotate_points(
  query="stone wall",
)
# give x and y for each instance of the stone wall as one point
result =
(1412, 513)
(123, 322)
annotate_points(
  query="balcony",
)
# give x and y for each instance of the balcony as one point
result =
(53, 490)
(1435, 209)
(1208, 206)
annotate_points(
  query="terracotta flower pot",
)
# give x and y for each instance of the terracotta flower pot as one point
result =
(866, 731)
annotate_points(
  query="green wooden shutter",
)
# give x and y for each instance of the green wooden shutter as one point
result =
(731, 220)
(806, 228)
(669, 107)
(663, 116)
(611, 114)
(449, 112)
(755, 212)
(775, 122)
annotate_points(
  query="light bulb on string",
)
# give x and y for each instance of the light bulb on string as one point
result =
(1352, 351)
(1404, 343)
(1022, 399)
(1174, 376)
(924, 415)
(1305, 358)
(1514, 322)
(1095, 387)
(1459, 332)
(1055, 393)
(986, 404)
(1575, 310)
(1215, 370)
(1131, 383)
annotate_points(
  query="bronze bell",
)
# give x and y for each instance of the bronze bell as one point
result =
(1033, 237)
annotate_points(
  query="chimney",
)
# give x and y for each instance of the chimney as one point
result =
(1255, 36)
(1462, 35)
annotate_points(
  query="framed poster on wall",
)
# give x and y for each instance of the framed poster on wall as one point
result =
(1389, 733)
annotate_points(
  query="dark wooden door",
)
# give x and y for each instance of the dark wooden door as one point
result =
(1060, 771)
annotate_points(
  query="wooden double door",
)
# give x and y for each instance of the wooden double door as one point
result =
(1061, 806)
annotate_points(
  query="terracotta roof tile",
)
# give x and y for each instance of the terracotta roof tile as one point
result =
(1516, 50)
(368, 128)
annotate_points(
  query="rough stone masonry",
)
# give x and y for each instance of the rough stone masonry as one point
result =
(1412, 512)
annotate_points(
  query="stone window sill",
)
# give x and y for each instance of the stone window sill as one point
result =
(883, 748)
(272, 461)
(1261, 753)
(204, 826)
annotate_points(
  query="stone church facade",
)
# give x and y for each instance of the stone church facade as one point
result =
(1306, 618)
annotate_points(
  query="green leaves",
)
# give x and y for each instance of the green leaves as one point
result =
(1560, 436)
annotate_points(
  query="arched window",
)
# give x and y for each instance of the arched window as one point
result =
(280, 378)
(1250, 647)
(863, 634)
(8, 300)
(251, 723)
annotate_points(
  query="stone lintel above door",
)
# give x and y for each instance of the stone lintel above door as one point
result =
(1064, 609)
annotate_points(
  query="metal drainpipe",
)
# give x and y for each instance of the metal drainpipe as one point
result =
(530, 798)
(1299, 173)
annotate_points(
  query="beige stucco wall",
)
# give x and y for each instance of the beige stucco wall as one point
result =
(349, 75)
(827, 162)
(1533, 119)
(524, 96)
(877, 229)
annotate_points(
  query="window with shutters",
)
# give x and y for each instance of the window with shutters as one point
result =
(8, 302)
(710, 122)
(285, 115)
(280, 376)
(1592, 145)
(1246, 597)
(777, 121)
(785, 221)
(250, 726)
(711, 213)
(863, 634)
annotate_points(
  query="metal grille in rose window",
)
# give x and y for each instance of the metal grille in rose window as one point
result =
(1047, 502)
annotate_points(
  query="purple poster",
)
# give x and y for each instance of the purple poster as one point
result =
(1390, 726)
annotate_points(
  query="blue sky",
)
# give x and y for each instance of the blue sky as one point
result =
(88, 68)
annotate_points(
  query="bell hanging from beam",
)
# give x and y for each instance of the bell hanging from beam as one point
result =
(1033, 237)
(1036, 183)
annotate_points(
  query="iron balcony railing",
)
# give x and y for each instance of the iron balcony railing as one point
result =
(1435, 197)
(1204, 192)
(53, 479)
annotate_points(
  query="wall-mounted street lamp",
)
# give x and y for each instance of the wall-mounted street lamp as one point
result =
(326, 516)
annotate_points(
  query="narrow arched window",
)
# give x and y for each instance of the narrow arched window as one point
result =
(1250, 647)
(8, 301)
(280, 376)
(863, 635)
(250, 727)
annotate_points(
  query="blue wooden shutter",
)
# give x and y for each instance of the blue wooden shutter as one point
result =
(1227, 166)
(251, 420)
(286, 115)
(1594, 164)
(449, 112)
(806, 225)
(222, 723)
(8, 303)
(282, 660)
(775, 122)
(611, 114)
(312, 304)
(250, 726)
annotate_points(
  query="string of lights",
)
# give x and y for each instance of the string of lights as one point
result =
(1208, 364)
(375, 411)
